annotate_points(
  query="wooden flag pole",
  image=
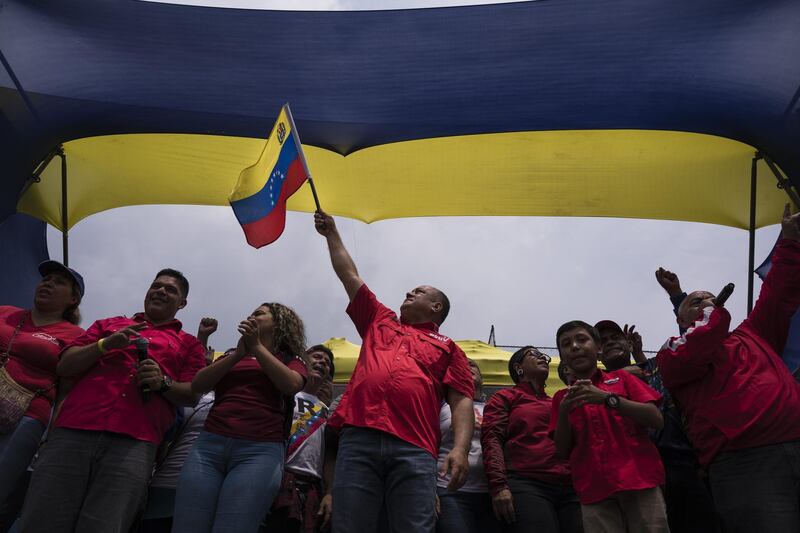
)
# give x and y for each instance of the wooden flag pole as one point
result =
(296, 136)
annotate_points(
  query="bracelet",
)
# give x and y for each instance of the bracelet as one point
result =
(100, 346)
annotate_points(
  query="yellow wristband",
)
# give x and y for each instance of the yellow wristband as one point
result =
(100, 345)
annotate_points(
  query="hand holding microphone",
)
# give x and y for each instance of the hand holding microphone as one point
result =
(142, 346)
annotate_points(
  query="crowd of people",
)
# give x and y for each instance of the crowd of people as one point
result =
(132, 425)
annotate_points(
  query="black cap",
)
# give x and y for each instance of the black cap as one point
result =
(54, 266)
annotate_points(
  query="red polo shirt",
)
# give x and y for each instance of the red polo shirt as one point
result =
(398, 383)
(247, 405)
(611, 452)
(514, 437)
(34, 355)
(107, 398)
(733, 387)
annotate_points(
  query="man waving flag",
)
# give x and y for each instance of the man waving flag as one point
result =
(259, 198)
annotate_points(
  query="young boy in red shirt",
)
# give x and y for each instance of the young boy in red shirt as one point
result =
(600, 423)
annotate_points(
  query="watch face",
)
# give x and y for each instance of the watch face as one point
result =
(612, 401)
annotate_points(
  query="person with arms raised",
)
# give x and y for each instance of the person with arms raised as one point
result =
(389, 414)
(741, 402)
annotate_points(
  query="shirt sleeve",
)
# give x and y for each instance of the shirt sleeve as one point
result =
(779, 297)
(458, 375)
(493, 438)
(637, 390)
(298, 366)
(687, 358)
(365, 308)
(194, 359)
(95, 332)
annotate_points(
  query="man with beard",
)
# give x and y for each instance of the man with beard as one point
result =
(295, 508)
(93, 471)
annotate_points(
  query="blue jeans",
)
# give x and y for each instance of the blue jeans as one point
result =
(375, 470)
(758, 489)
(227, 484)
(466, 512)
(16, 451)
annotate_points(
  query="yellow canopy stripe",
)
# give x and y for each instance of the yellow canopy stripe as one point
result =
(595, 173)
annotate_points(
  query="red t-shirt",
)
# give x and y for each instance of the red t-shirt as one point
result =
(107, 398)
(733, 387)
(34, 355)
(611, 452)
(247, 405)
(514, 438)
(398, 383)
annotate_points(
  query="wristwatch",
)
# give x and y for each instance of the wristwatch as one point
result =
(166, 383)
(612, 401)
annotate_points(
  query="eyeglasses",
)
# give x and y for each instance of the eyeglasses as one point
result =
(538, 355)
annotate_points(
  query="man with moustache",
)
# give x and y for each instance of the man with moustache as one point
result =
(389, 414)
(93, 471)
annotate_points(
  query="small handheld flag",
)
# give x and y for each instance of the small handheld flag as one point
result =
(259, 197)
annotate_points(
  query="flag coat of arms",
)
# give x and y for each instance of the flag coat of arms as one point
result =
(259, 198)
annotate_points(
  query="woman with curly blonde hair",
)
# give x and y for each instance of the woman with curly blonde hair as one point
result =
(234, 470)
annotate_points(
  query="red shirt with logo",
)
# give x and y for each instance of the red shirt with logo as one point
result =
(247, 405)
(34, 355)
(611, 453)
(514, 437)
(399, 381)
(107, 398)
(733, 387)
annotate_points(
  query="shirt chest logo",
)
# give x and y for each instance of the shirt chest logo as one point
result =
(45, 337)
(440, 338)
(611, 381)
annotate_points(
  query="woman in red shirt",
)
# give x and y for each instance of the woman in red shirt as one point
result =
(530, 485)
(234, 470)
(30, 341)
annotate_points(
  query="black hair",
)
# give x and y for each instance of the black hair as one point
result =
(183, 283)
(577, 324)
(327, 351)
(516, 359)
(445, 306)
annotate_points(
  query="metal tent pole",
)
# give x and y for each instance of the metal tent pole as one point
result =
(751, 256)
(64, 206)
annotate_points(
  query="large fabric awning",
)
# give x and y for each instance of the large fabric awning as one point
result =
(606, 173)
(628, 108)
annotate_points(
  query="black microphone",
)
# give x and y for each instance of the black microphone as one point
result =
(141, 351)
(724, 294)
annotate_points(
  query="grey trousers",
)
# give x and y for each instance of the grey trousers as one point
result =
(87, 481)
(758, 489)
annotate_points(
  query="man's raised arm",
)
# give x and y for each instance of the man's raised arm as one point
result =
(342, 263)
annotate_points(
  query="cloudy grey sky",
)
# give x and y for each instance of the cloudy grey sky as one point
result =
(524, 275)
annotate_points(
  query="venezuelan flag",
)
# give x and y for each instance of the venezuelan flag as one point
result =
(259, 197)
